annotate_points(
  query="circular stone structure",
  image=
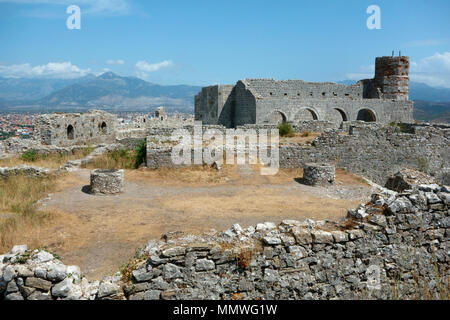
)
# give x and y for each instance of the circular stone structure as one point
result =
(318, 174)
(106, 181)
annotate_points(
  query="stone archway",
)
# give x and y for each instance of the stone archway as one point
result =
(342, 113)
(366, 115)
(277, 117)
(306, 114)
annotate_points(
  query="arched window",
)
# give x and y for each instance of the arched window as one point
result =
(366, 115)
(70, 132)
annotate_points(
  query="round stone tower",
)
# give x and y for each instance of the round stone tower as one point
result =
(392, 77)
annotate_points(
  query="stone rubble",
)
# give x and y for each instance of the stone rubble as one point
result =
(405, 236)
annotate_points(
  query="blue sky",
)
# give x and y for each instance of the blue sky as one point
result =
(206, 42)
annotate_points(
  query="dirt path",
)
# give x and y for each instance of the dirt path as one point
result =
(99, 233)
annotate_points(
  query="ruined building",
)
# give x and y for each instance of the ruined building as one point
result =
(383, 99)
(66, 129)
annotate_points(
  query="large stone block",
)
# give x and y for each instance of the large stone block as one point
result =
(106, 181)
(318, 174)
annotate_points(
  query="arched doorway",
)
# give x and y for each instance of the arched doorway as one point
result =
(277, 117)
(366, 115)
(306, 114)
(103, 128)
(70, 132)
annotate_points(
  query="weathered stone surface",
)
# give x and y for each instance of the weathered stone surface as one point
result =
(205, 265)
(42, 256)
(142, 275)
(38, 283)
(105, 181)
(107, 289)
(302, 235)
(319, 236)
(19, 249)
(38, 295)
(14, 296)
(152, 295)
(63, 288)
(171, 271)
(315, 174)
(57, 272)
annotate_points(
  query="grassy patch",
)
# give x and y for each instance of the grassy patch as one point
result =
(52, 160)
(18, 197)
(120, 158)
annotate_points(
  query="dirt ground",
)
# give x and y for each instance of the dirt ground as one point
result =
(100, 233)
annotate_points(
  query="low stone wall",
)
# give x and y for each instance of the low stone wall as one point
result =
(29, 171)
(393, 247)
(369, 150)
(376, 153)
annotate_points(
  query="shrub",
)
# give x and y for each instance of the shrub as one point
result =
(285, 130)
(141, 152)
(30, 155)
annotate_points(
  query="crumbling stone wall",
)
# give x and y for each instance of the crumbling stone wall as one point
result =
(376, 153)
(28, 171)
(66, 129)
(371, 150)
(394, 247)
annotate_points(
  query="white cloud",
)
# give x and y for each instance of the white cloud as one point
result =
(144, 66)
(113, 62)
(104, 7)
(433, 71)
(63, 70)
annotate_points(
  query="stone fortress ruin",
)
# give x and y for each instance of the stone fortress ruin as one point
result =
(366, 129)
(383, 99)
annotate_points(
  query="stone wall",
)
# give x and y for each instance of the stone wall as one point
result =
(28, 171)
(66, 129)
(391, 248)
(376, 153)
(368, 149)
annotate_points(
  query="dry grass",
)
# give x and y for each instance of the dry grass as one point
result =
(205, 175)
(301, 138)
(18, 196)
(349, 178)
(52, 161)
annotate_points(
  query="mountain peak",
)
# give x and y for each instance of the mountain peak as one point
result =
(108, 75)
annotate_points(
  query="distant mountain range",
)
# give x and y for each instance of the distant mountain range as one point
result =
(108, 91)
(112, 92)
